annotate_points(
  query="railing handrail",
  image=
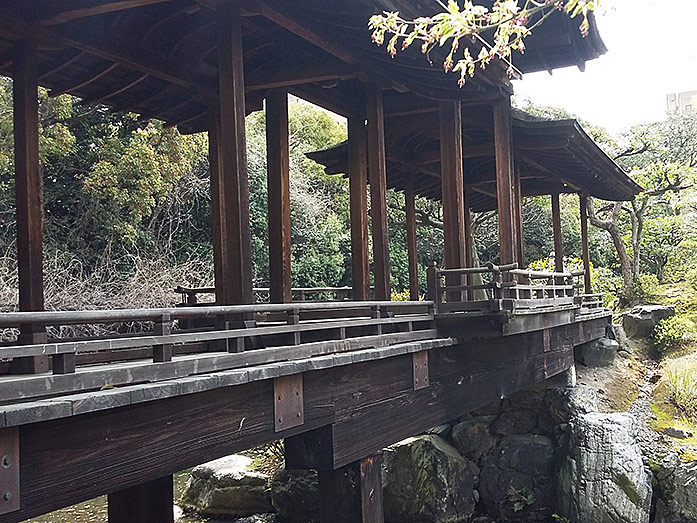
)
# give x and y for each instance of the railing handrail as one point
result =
(539, 274)
(209, 290)
(13, 319)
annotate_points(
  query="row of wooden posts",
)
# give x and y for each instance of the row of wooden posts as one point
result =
(230, 189)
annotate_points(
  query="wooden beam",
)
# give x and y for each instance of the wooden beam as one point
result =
(585, 244)
(29, 202)
(234, 283)
(118, 91)
(150, 502)
(278, 183)
(410, 204)
(94, 42)
(518, 214)
(358, 189)
(59, 12)
(378, 191)
(92, 78)
(505, 181)
(297, 75)
(353, 493)
(556, 228)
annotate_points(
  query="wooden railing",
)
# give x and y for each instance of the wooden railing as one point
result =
(504, 287)
(256, 334)
(190, 295)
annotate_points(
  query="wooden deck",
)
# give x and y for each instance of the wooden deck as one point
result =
(338, 380)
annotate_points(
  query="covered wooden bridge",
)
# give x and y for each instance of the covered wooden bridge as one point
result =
(339, 380)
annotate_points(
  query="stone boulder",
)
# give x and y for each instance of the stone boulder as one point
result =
(597, 353)
(425, 480)
(473, 438)
(617, 333)
(295, 495)
(227, 487)
(676, 490)
(602, 478)
(640, 321)
(517, 479)
(565, 403)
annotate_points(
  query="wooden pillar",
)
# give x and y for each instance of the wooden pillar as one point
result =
(518, 214)
(378, 191)
(29, 202)
(585, 244)
(505, 182)
(353, 493)
(278, 183)
(234, 276)
(469, 238)
(410, 204)
(452, 182)
(358, 188)
(556, 228)
(151, 502)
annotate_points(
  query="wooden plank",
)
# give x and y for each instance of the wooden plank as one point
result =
(505, 181)
(150, 502)
(378, 191)
(353, 493)
(585, 244)
(358, 183)
(235, 283)
(453, 191)
(29, 202)
(278, 183)
(410, 204)
(558, 239)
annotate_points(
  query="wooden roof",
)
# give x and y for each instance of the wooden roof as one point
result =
(551, 154)
(159, 58)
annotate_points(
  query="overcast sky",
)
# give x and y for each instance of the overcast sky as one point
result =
(651, 52)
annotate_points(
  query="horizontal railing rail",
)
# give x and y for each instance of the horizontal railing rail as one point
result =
(261, 294)
(504, 287)
(271, 331)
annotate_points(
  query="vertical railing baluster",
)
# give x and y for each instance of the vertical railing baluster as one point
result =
(162, 327)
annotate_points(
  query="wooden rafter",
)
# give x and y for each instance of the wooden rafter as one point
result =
(61, 11)
(118, 91)
(297, 75)
(93, 78)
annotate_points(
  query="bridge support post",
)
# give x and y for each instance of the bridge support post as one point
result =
(353, 493)
(410, 204)
(558, 239)
(360, 264)
(29, 202)
(586, 245)
(151, 502)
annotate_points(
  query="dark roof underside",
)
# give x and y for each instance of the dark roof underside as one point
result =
(159, 57)
(552, 155)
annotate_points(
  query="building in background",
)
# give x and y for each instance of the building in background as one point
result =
(682, 103)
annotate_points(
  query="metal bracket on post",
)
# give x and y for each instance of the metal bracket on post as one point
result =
(9, 470)
(288, 406)
(420, 366)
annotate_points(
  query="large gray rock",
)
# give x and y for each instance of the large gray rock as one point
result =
(602, 479)
(517, 479)
(227, 487)
(640, 321)
(676, 486)
(618, 334)
(425, 480)
(473, 438)
(565, 403)
(597, 353)
(295, 496)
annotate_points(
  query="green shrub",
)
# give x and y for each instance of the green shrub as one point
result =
(673, 333)
(681, 259)
(691, 278)
(646, 288)
(682, 387)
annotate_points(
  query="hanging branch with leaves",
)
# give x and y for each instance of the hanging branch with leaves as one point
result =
(507, 18)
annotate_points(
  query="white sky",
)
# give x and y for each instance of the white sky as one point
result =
(651, 52)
